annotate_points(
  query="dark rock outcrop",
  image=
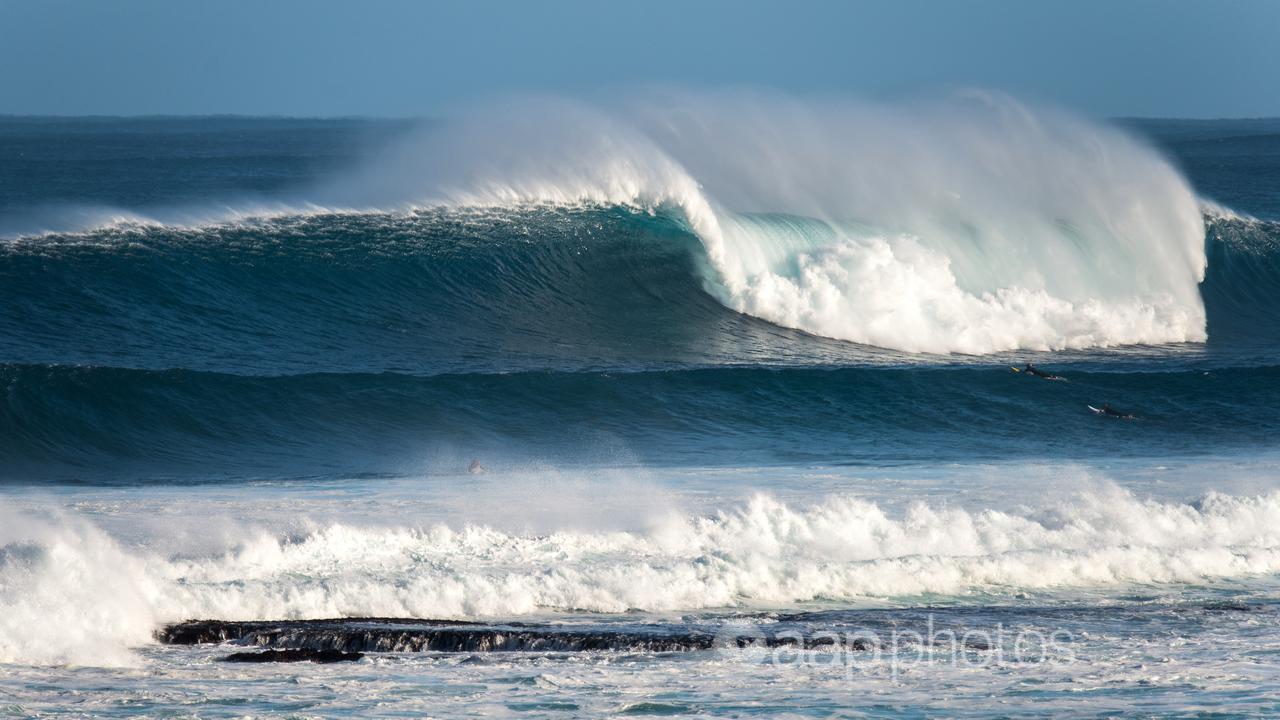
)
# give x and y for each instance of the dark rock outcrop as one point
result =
(357, 635)
(293, 655)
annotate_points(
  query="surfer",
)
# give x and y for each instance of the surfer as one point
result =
(1033, 370)
(1112, 412)
(475, 468)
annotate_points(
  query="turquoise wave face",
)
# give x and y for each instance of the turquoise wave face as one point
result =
(421, 293)
(469, 291)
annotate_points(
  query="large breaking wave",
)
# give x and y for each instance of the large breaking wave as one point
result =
(970, 225)
(973, 225)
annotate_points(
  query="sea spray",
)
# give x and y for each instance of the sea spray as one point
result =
(970, 224)
(974, 224)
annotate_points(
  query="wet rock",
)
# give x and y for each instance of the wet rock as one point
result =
(293, 655)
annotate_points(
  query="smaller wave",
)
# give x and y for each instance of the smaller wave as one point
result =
(71, 593)
(62, 423)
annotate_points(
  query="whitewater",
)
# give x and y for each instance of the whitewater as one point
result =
(75, 593)
(928, 227)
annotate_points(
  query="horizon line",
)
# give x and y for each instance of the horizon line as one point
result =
(248, 116)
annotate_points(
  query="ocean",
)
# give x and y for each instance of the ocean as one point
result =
(707, 405)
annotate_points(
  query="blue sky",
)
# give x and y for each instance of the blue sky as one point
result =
(1217, 58)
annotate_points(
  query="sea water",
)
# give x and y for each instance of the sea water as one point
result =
(702, 405)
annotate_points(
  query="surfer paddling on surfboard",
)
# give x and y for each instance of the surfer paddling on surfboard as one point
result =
(1033, 370)
(1109, 411)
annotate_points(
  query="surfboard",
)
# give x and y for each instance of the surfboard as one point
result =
(1057, 378)
(1097, 411)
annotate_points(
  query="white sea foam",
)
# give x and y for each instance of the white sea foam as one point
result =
(69, 592)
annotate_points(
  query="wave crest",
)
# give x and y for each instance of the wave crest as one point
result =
(971, 225)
